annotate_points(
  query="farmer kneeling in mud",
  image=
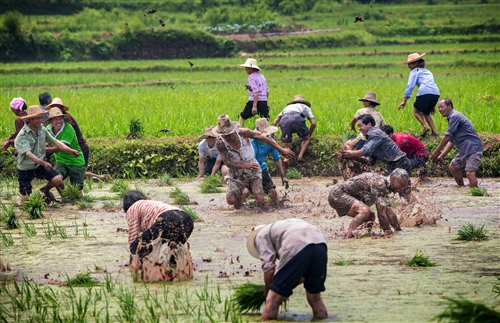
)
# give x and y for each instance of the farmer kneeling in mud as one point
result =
(157, 235)
(355, 196)
(302, 253)
(238, 155)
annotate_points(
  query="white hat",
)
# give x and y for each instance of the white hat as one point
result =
(413, 58)
(252, 63)
(252, 249)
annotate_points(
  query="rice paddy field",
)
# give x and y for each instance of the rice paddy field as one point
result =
(105, 96)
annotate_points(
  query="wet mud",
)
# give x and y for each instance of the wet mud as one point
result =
(376, 287)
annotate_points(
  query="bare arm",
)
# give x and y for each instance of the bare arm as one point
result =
(444, 142)
(313, 126)
(353, 124)
(254, 106)
(201, 166)
(39, 161)
(276, 121)
(268, 279)
(216, 167)
(247, 133)
(352, 153)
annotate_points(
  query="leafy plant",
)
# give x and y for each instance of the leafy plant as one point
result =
(35, 205)
(179, 196)
(82, 280)
(249, 297)
(7, 239)
(469, 232)
(419, 260)
(30, 229)
(70, 194)
(135, 129)
(9, 216)
(464, 311)
(211, 184)
(478, 191)
(166, 180)
(119, 186)
(108, 205)
(192, 213)
(293, 173)
(496, 287)
(88, 198)
(84, 205)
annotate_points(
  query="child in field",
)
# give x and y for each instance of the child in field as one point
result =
(258, 93)
(427, 95)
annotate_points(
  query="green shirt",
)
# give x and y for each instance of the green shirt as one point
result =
(68, 137)
(28, 140)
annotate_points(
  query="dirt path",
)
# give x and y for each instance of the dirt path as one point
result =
(375, 288)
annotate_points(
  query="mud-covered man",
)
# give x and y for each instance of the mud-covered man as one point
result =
(355, 196)
(303, 257)
(233, 144)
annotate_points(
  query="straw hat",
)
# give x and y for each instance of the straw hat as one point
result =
(56, 102)
(262, 125)
(54, 113)
(207, 133)
(252, 63)
(413, 58)
(299, 99)
(17, 103)
(34, 111)
(252, 249)
(371, 97)
(224, 126)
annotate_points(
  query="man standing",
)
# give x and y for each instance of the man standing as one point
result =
(460, 133)
(30, 145)
(292, 120)
(302, 253)
(414, 149)
(258, 92)
(355, 196)
(262, 150)
(237, 154)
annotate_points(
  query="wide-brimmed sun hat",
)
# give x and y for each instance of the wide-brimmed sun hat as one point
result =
(252, 63)
(413, 58)
(371, 97)
(207, 133)
(225, 126)
(263, 126)
(33, 112)
(17, 103)
(252, 249)
(56, 102)
(299, 99)
(54, 113)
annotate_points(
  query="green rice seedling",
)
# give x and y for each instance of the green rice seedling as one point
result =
(211, 184)
(88, 198)
(128, 306)
(7, 239)
(419, 260)
(249, 297)
(9, 216)
(76, 226)
(84, 205)
(58, 229)
(166, 180)
(109, 205)
(496, 287)
(343, 261)
(293, 173)
(179, 196)
(140, 190)
(70, 194)
(192, 213)
(89, 185)
(119, 186)
(469, 232)
(35, 206)
(81, 280)
(462, 311)
(478, 191)
(48, 231)
(109, 284)
(30, 229)
(135, 129)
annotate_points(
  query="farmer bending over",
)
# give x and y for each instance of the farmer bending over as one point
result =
(30, 145)
(157, 235)
(238, 155)
(302, 253)
(460, 133)
(292, 120)
(355, 196)
(209, 161)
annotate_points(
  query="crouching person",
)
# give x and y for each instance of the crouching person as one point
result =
(158, 234)
(302, 253)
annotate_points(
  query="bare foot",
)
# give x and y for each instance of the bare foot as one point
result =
(426, 130)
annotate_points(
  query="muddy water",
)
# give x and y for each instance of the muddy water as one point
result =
(376, 288)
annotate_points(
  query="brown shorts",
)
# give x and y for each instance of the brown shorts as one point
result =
(244, 178)
(340, 201)
(471, 162)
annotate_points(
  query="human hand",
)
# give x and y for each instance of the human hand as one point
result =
(5, 146)
(250, 165)
(254, 110)
(74, 153)
(248, 87)
(48, 166)
(434, 157)
(347, 153)
(284, 182)
(401, 105)
(287, 153)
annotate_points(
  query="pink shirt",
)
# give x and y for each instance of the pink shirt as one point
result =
(258, 84)
(142, 215)
(410, 145)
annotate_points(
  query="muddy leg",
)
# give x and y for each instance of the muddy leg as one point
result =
(303, 146)
(317, 305)
(57, 182)
(273, 195)
(273, 302)
(393, 219)
(472, 178)
(420, 118)
(369, 224)
(259, 198)
(431, 124)
(361, 214)
(457, 175)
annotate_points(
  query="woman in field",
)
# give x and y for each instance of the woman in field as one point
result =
(18, 107)
(157, 235)
(258, 93)
(427, 95)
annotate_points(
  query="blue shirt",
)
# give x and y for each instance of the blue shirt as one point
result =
(422, 78)
(379, 145)
(462, 134)
(262, 150)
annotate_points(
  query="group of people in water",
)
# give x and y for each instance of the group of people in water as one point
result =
(158, 232)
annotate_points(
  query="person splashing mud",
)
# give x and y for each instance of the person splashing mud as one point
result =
(158, 234)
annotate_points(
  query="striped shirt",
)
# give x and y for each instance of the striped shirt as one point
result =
(142, 215)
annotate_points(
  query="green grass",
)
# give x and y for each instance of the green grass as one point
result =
(35, 206)
(343, 261)
(166, 180)
(293, 173)
(469, 232)
(70, 194)
(9, 216)
(478, 191)
(180, 197)
(419, 260)
(211, 184)
(119, 186)
(192, 213)
(496, 287)
(465, 311)
(82, 280)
